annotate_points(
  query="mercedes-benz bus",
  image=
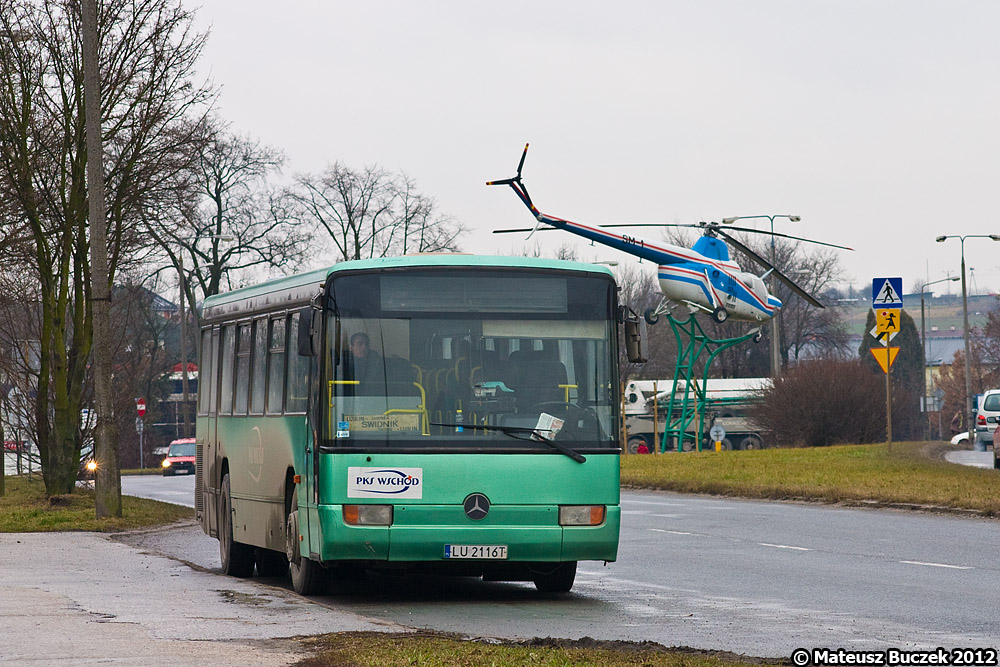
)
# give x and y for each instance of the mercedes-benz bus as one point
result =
(453, 414)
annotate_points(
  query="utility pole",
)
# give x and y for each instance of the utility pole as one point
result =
(107, 478)
(184, 358)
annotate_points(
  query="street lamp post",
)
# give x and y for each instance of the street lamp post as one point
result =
(965, 324)
(923, 350)
(775, 329)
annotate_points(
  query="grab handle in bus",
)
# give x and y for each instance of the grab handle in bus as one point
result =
(329, 388)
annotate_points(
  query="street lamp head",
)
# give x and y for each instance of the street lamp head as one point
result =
(995, 237)
(794, 218)
(729, 221)
(941, 239)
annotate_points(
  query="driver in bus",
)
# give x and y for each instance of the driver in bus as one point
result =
(366, 365)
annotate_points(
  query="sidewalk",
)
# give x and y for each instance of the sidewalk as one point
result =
(81, 598)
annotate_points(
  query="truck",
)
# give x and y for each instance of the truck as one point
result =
(726, 403)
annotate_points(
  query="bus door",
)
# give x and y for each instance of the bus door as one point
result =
(304, 363)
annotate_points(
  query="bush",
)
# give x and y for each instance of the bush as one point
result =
(823, 403)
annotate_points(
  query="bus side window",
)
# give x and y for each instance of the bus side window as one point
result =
(296, 399)
(242, 369)
(276, 365)
(226, 383)
(204, 376)
(258, 363)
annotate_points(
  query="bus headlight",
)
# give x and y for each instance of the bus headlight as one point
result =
(368, 515)
(581, 515)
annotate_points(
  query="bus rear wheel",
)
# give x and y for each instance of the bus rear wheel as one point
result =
(237, 558)
(308, 576)
(557, 580)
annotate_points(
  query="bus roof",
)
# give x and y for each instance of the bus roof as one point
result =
(297, 289)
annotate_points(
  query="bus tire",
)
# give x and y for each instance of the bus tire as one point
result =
(237, 558)
(559, 579)
(308, 576)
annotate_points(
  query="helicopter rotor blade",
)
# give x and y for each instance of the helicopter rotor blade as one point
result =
(524, 229)
(515, 181)
(696, 225)
(786, 236)
(521, 163)
(713, 225)
(778, 274)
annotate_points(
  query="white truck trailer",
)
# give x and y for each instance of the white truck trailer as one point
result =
(726, 403)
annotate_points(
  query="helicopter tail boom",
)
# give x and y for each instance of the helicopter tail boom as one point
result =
(629, 244)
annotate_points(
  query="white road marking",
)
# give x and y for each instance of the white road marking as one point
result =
(672, 532)
(782, 546)
(945, 565)
(631, 501)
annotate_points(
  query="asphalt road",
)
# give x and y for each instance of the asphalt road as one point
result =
(178, 489)
(751, 577)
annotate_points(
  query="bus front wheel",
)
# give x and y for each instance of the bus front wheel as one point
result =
(557, 580)
(308, 576)
(237, 558)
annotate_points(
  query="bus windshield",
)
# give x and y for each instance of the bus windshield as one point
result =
(481, 359)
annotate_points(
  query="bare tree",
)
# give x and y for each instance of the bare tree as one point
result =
(373, 213)
(147, 56)
(224, 218)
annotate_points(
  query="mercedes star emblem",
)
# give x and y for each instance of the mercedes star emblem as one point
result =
(477, 506)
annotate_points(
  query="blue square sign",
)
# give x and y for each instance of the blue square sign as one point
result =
(887, 292)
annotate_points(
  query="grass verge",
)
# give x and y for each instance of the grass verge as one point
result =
(25, 509)
(911, 474)
(432, 650)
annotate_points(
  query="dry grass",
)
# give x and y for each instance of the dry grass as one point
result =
(25, 509)
(364, 649)
(909, 474)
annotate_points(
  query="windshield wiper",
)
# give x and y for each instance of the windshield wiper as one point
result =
(533, 436)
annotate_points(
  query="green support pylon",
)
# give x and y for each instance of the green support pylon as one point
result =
(692, 342)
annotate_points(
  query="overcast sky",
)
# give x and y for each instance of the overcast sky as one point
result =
(876, 122)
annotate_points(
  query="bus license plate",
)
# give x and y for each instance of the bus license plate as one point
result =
(476, 551)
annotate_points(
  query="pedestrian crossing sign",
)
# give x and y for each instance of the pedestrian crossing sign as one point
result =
(887, 293)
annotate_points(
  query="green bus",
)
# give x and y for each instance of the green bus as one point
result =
(453, 414)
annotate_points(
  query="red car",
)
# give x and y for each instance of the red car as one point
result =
(180, 457)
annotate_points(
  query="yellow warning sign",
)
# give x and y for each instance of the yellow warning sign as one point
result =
(885, 356)
(887, 320)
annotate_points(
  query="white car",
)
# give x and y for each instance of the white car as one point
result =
(961, 438)
(987, 418)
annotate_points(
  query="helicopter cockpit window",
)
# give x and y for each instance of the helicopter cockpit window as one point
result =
(758, 288)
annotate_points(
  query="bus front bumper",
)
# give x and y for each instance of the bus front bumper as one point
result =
(420, 533)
